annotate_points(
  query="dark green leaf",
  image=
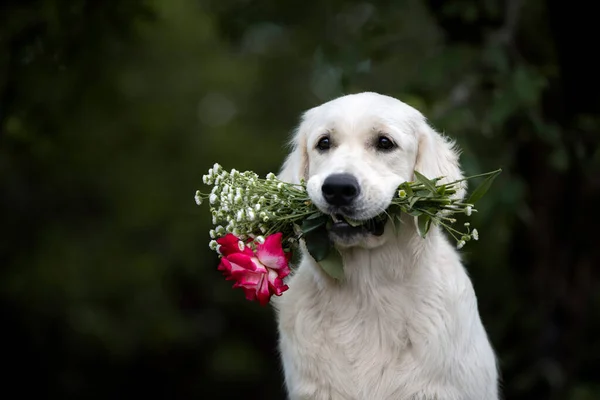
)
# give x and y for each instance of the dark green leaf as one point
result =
(333, 264)
(310, 224)
(413, 200)
(424, 223)
(428, 184)
(317, 243)
(482, 188)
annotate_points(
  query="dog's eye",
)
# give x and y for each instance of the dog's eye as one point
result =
(385, 143)
(324, 143)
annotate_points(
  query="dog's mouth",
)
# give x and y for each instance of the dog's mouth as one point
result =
(344, 226)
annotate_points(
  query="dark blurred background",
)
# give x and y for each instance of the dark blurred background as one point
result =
(111, 112)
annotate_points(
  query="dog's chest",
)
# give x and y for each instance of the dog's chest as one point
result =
(372, 338)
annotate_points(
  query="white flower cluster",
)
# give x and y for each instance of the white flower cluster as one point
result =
(249, 207)
(471, 234)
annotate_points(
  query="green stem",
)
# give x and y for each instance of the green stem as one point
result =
(475, 176)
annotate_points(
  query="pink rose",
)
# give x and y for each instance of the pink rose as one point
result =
(260, 274)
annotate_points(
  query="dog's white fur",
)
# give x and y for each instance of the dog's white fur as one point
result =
(404, 323)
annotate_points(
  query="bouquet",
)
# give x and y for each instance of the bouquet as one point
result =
(259, 223)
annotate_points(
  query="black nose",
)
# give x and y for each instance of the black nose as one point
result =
(340, 189)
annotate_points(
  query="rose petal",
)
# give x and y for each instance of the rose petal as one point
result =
(249, 280)
(229, 245)
(263, 294)
(276, 285)
(283, 272)
(232, 269)
(271, 253)
(243, 261)
(224, 266)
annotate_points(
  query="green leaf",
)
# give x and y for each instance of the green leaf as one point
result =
(317, 243)
(425, 194)
(428, 184)
(482, 188)
(310, 224)
(414, 213)
(413, 200)
(333, 264)
(353, 222)
(424, 223)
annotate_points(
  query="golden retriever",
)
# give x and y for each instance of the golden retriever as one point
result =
(404, 322)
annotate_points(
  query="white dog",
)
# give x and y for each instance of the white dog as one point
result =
(404, 323)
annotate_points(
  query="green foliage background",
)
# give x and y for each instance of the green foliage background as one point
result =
(111, 112)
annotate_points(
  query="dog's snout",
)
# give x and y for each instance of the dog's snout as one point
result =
(340, 189)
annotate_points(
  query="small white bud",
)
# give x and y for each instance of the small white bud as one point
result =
(260, 239)
(198, 197)
(468, 211)
(241, 245)
(475, 234)
(271, 176)
(213, 198)
(212, 234)
(213, 245)
(460, 244)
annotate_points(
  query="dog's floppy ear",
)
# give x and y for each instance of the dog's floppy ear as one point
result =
(437, 156)
(295, 166)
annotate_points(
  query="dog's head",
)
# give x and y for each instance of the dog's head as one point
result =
(354, 151)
